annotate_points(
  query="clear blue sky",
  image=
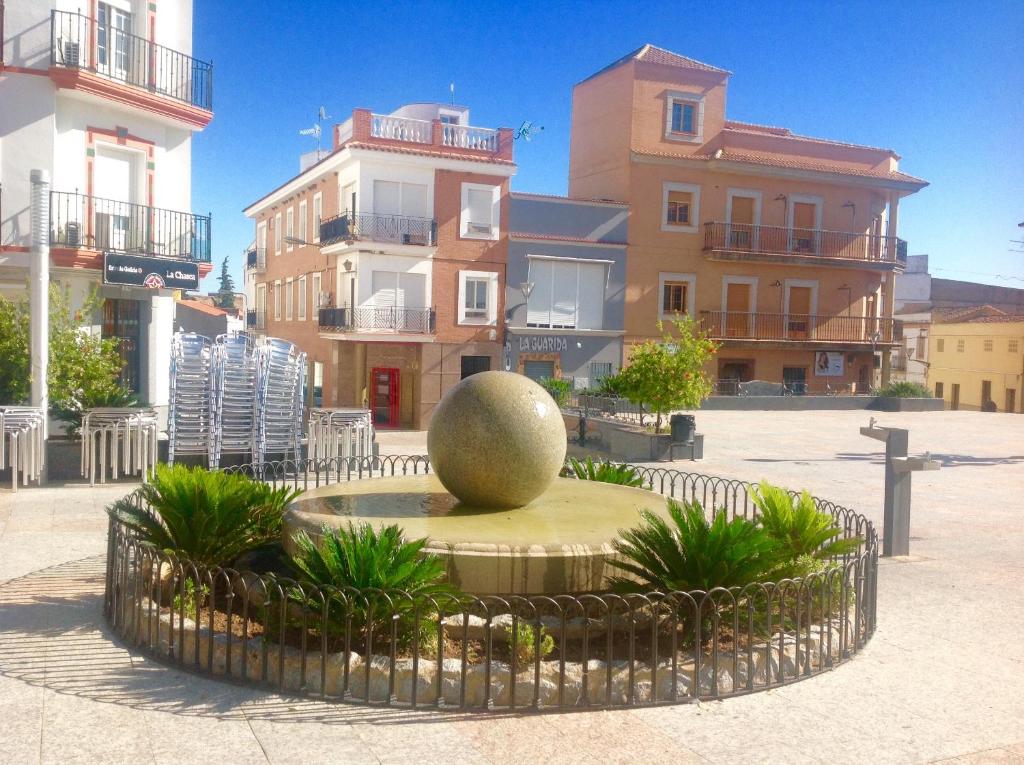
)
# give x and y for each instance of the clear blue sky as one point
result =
(941, 83)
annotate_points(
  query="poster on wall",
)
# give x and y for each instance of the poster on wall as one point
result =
(828, 364)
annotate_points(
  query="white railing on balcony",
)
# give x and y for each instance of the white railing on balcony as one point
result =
(400, 128)
(466, 137)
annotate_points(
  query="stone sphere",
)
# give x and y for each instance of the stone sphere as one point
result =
(496, 440)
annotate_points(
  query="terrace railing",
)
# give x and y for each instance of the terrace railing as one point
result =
(468, 137)
(787, 240)
(99, 46)
(417, 321)
(373, 227)
(256, 259)
(401, 128)
(82, 221)
(742, 325)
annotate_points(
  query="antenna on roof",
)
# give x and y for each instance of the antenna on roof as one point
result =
(451, 89)
(317, 129)
(527, 130)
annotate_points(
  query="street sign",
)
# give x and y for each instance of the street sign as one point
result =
(150, 273)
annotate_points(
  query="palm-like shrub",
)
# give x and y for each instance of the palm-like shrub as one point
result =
(395, 580)
(605, 472)
(689, 552)
(805, 534)
(904, 389)
(205, 516)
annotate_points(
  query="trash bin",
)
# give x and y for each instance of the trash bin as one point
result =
(683, 428)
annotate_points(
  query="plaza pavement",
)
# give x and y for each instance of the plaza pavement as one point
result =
(943, 677)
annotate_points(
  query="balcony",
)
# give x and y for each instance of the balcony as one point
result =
(440, 137)
(798, 328)
(382, 319)
(256, 259)
(745, 241)
(256, 319)
(371, 227)
(78, 221)
(91, 54)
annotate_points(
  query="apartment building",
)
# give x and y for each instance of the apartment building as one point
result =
(385, 260)
(977, 361)
(920, 297)
(565, 288)
(783, 246)
(106, 96)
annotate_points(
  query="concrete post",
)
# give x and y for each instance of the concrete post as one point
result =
(39, 289)
(896, 520)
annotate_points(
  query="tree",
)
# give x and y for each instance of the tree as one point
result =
(669, 374)
(84, 369)
(226, 294)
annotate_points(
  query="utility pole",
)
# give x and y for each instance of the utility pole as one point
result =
(39, 291)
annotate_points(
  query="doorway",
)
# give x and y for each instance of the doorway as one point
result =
(954, 391)
(798, 314)
(732, 372)
(741, 223)
(795, 380)
(1011, 400)
(737, 309)
(121, 323)
(803, 234)
(474, 364)
(384, 396)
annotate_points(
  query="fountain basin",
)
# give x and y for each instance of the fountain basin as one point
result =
(560, 542)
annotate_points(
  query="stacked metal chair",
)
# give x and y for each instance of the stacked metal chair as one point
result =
(127, 434)
(233, 396)
(339, 433)
(190, 421)
(23, 443)
(281, 383)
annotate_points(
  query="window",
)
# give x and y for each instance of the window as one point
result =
(940, 345)
(449, 119)
(960, 345)
(113, 27)
(289, 299)
(277, 234)
(472, 365)
(480, 211)
(939, 390)
(302, 298)
(317, 302)
(680, 207)
(684, 117)
(277, 300)
(318, 213)
(599, 370)
(261, 237)
(478, 297)
(922, 343)
(675, 294)
(1013, 346)
(673, 297)
(303, 221)
(539, 369)
(316, 384)
(290, 227)
(566, 294)
(987, 345)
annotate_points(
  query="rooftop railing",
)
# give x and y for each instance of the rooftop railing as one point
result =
(101, 47)
(743, 325)
(787, 240)
(256, 259)
(78, 220)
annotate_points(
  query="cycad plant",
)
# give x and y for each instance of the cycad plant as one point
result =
(208, 517)
(806, 535)
(605, 472)
(395, 579)
(689, 552)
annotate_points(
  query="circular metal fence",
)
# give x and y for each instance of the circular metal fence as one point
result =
(591, 650)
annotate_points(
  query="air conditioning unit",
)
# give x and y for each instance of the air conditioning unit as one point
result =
(72, 234)
(71, 54)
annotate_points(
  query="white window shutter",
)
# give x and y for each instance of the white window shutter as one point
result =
(538, 306)
(591, 295)
(387, 198)
(563, 295)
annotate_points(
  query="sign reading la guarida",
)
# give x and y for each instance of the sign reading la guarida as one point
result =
(151, 273)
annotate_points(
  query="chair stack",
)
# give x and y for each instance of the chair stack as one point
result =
(190, 417)
(233, 372)
(23, 443)
(281, 383)
(335, 433)
(127, 434)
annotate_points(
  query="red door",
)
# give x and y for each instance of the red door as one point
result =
(384, 396)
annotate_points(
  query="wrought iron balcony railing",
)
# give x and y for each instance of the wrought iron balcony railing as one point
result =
(372, 227)
(742, 325)
(784, 240)
(256, 259)
(79, 220)
(256, 319)
(416, 321)
(101, 47)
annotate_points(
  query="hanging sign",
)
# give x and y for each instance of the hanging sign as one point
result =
(828, 364)
(151, 273)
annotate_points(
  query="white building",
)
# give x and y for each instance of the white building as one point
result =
(106, 97)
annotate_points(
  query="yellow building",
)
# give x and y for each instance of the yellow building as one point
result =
(977, 361)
